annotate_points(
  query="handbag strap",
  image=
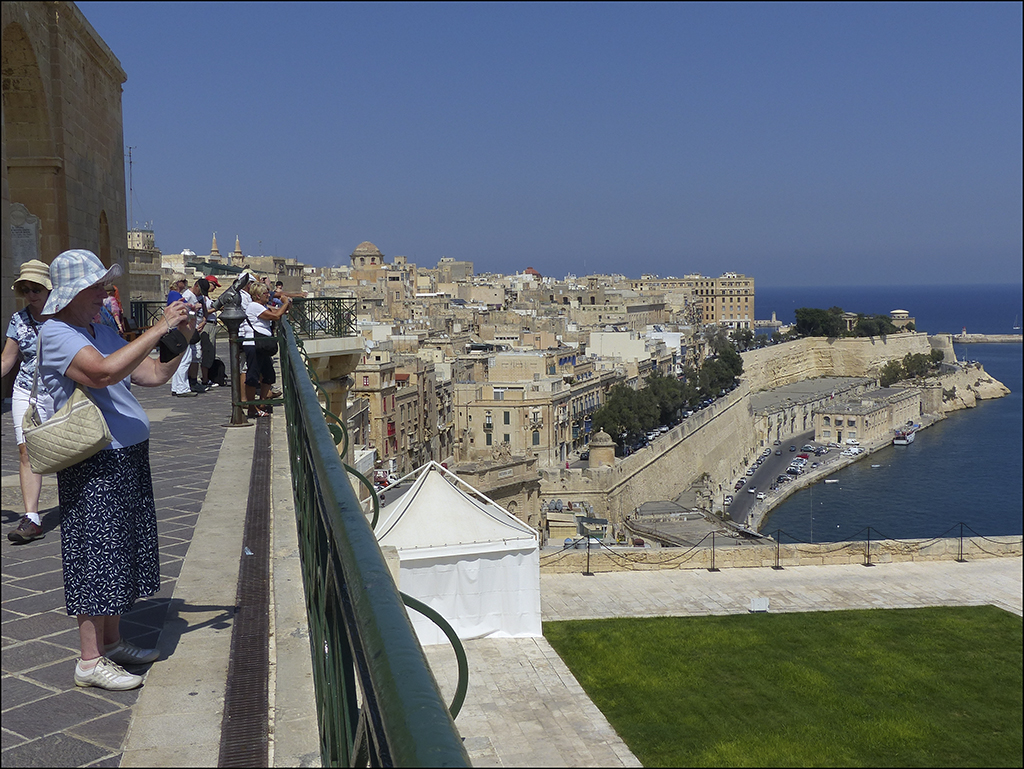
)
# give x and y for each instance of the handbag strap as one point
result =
(33, 395)
(256, 333)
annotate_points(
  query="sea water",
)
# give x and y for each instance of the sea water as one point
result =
(964, 469)
(985, 309)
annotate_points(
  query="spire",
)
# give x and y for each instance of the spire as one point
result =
(238, 248)
(213, 249)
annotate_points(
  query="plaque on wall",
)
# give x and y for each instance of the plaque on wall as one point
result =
(24, 235)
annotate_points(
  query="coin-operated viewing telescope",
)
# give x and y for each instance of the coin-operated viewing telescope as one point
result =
(229, 305)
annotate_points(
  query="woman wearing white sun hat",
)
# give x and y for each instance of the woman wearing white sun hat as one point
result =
(108, 515)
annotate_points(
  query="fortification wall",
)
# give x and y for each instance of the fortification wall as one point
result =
(717, 440)
(754, 555)
(721, 440)
(801, 359)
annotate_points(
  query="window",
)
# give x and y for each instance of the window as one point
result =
(826, 433)
(366, 381)
(536, 437)
(828, 421)
(488, 436)
(851, 422)
(508, 418)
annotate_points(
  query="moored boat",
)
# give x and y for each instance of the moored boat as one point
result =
(905, 435)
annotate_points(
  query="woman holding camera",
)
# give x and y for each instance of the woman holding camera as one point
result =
(108, 523)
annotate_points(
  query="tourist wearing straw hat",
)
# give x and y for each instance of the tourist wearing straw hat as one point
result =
(33, 284)
(108, 513)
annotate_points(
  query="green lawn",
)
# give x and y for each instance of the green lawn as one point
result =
(897, 687)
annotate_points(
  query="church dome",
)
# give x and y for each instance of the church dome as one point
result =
(366, 248)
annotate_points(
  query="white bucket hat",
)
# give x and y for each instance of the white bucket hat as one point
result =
(73, 271)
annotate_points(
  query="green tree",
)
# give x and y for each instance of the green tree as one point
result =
(814, 322)
(742, 339)
(891, 372)
(874, 325)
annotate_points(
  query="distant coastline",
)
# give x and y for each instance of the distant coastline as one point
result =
(982, 309)
(987, 338)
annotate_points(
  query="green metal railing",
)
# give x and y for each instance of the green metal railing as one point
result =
(377, 701)
(323, 316)
(316, 317)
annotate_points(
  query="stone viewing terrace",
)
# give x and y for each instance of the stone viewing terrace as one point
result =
(234, 510)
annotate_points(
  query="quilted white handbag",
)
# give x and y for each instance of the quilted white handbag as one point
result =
(75, 432)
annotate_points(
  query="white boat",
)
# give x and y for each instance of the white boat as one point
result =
(905, 435)
(831, 480)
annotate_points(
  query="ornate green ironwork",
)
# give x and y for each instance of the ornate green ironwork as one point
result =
(323, 316)
(360, 634)
(310, 317)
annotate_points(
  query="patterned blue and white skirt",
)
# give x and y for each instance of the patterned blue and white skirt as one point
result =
(108, 534)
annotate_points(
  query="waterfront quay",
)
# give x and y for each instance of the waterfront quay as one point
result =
(523, 707)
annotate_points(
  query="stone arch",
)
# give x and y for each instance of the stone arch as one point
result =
(32, 164)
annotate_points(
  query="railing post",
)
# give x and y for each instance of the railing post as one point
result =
(778, 555)
(960, 558)
(867, 550)
(713, 553)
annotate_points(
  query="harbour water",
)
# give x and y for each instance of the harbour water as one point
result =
(964, 469)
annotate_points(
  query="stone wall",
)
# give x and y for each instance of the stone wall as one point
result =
(761, 555)
(717, 440)
(801, 359)
(63, 145)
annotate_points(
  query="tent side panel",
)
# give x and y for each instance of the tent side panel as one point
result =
(491, 595)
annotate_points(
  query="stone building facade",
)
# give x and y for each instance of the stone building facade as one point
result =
(871, 417)
(62, 142)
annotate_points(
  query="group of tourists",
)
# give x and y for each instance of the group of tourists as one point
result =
(72, 334)
(193, 373)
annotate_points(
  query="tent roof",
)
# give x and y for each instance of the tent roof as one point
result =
(437, 512)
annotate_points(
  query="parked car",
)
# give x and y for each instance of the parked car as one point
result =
(750, 471)
(585, 455)
(852, 442)
(752, 489)
(807, 447)
(728, 499)
(777, 442)
(761, 495)
(739, 483)
(766, 453)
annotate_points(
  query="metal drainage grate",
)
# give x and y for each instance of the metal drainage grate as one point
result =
(244, 730)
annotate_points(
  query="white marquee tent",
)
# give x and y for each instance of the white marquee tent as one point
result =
(465, 557)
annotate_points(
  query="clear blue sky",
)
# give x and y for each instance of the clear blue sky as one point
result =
(798, 143)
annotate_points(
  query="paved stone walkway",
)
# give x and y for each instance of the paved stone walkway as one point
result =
(695, 592)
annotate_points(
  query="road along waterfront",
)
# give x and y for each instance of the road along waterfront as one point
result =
(965, 468)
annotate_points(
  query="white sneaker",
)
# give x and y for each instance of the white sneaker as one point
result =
(124, 653)
(106, 675)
